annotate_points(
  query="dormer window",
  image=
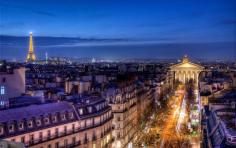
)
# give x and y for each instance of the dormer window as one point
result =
(11, 128)
(30, 124)
(21, 126)
(63, 116)
(71, 115)
(38, 122)
(54, 119)
(1, 130)
(81, 111)
(46, 120)
(97, 107)
(90, 109)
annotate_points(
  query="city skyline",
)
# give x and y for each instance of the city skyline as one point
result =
(111, 30)
(118, 74)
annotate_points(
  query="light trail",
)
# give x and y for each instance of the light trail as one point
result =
(172, 120)
(182, 115)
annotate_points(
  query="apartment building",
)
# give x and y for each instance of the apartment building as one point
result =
(86, 123)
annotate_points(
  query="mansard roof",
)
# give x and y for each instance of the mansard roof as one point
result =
(34, 111)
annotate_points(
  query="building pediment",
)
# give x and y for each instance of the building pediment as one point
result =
(187, 65)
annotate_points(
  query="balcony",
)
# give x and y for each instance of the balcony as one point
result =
(68, 132)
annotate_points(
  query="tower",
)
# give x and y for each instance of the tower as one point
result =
(46, 58)
(31, 56)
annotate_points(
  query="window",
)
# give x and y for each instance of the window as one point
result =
(49, 134)
(54, 119)
(81, 111)
(118, 118)
(73, 140)
(40, 135)
(97, 107)
(38, 122)
(57, 145)
(2, 92)
(118, 135)
(23, 139)
(94, 145)
(30, 124)
(31, 138)
(11, 128)
(85, 138)
(65, 129)
(3, 80)
(49, 146)
(2, 103)
(1, 130)
(65, 143)
(71, 115)
(21, 126)
(46, 120)
(63, 116)
(56, 131)
(90, 109)
(73, 127)
(94, 135)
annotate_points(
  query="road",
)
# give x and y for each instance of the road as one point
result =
(174, 119)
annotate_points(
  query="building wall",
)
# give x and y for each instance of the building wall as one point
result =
(13, 84)
(102, 132)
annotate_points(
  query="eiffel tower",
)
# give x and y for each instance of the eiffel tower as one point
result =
(31, 56)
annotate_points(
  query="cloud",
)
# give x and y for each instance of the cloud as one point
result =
(11, 24)
(22, 8)
(227, 22)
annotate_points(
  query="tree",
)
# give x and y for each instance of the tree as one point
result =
(178, 141)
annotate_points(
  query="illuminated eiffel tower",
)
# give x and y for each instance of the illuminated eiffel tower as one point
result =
(31, 56)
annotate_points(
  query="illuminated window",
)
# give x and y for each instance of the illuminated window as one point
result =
(2, 90)
(94, 145)
(90, 109)
(2, 103)
(1, 130)
(81, 111)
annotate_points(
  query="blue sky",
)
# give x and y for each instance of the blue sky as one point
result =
(133, 21)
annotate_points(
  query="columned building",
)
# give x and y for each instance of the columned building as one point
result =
(186, 70)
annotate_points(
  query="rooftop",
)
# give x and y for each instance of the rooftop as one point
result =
(33, 111)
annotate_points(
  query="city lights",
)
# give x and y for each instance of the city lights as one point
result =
(117, 74)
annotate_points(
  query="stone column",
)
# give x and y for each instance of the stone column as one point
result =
(193, 75)
(197, 77)
(184, 78)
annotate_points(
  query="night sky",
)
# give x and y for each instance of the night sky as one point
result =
(119, 28)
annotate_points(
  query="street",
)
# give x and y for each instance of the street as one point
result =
(175, 118)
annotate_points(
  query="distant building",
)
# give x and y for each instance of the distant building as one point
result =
(186, 70)
(77, 87)
(12, 82)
